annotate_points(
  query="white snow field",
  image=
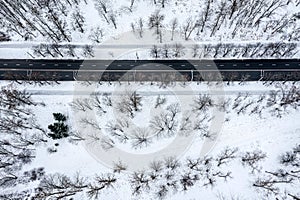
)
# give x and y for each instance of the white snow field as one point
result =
(150, 140)
(156, 152)
(179, 29)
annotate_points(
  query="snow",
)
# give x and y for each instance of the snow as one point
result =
(183, 10)
(246, 132)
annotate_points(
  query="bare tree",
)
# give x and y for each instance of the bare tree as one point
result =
(188, 180)
(156, 21)
(98, 104)
(70, 50)
(156, 166)
(207, 170)
(106, 100)
(269, 184)
(60, 186)
(165, 124)
(113, 19)
(178, 50)
(140, 138)
(220, 17)
(155, 52)
(174, 26)
(117, 129)
(160, 101)
(172, 163)
(131, 5)
(88, 51)
(130, 103)
(102, 6)
(119, 167)
(82, 104)
(290, 158)
(78, 21)
(141, 27)
(205, 15)
(162, 191)
(188, 28)
(186, 125)
(101, 182)
(96, 35)
(106, 143)
(252, 159)
(202, 103)
(90, 122)
(226, 156)
(140, 182)
(201, 125)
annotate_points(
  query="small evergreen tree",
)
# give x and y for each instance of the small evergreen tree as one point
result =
(59, 117)
(59, 129)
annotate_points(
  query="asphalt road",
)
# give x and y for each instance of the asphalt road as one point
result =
(150, 70)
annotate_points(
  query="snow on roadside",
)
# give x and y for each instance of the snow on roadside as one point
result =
(270, 134)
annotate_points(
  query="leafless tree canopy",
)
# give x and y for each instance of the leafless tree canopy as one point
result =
(22, 135)
(166, 124)
(130, 103)
(60, 186)
(156, 21)
(252, 159)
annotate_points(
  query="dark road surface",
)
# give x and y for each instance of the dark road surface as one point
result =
(150, 70)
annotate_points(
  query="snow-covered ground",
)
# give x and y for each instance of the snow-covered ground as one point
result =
(216, 29)
(109, 137)
(150, 140)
